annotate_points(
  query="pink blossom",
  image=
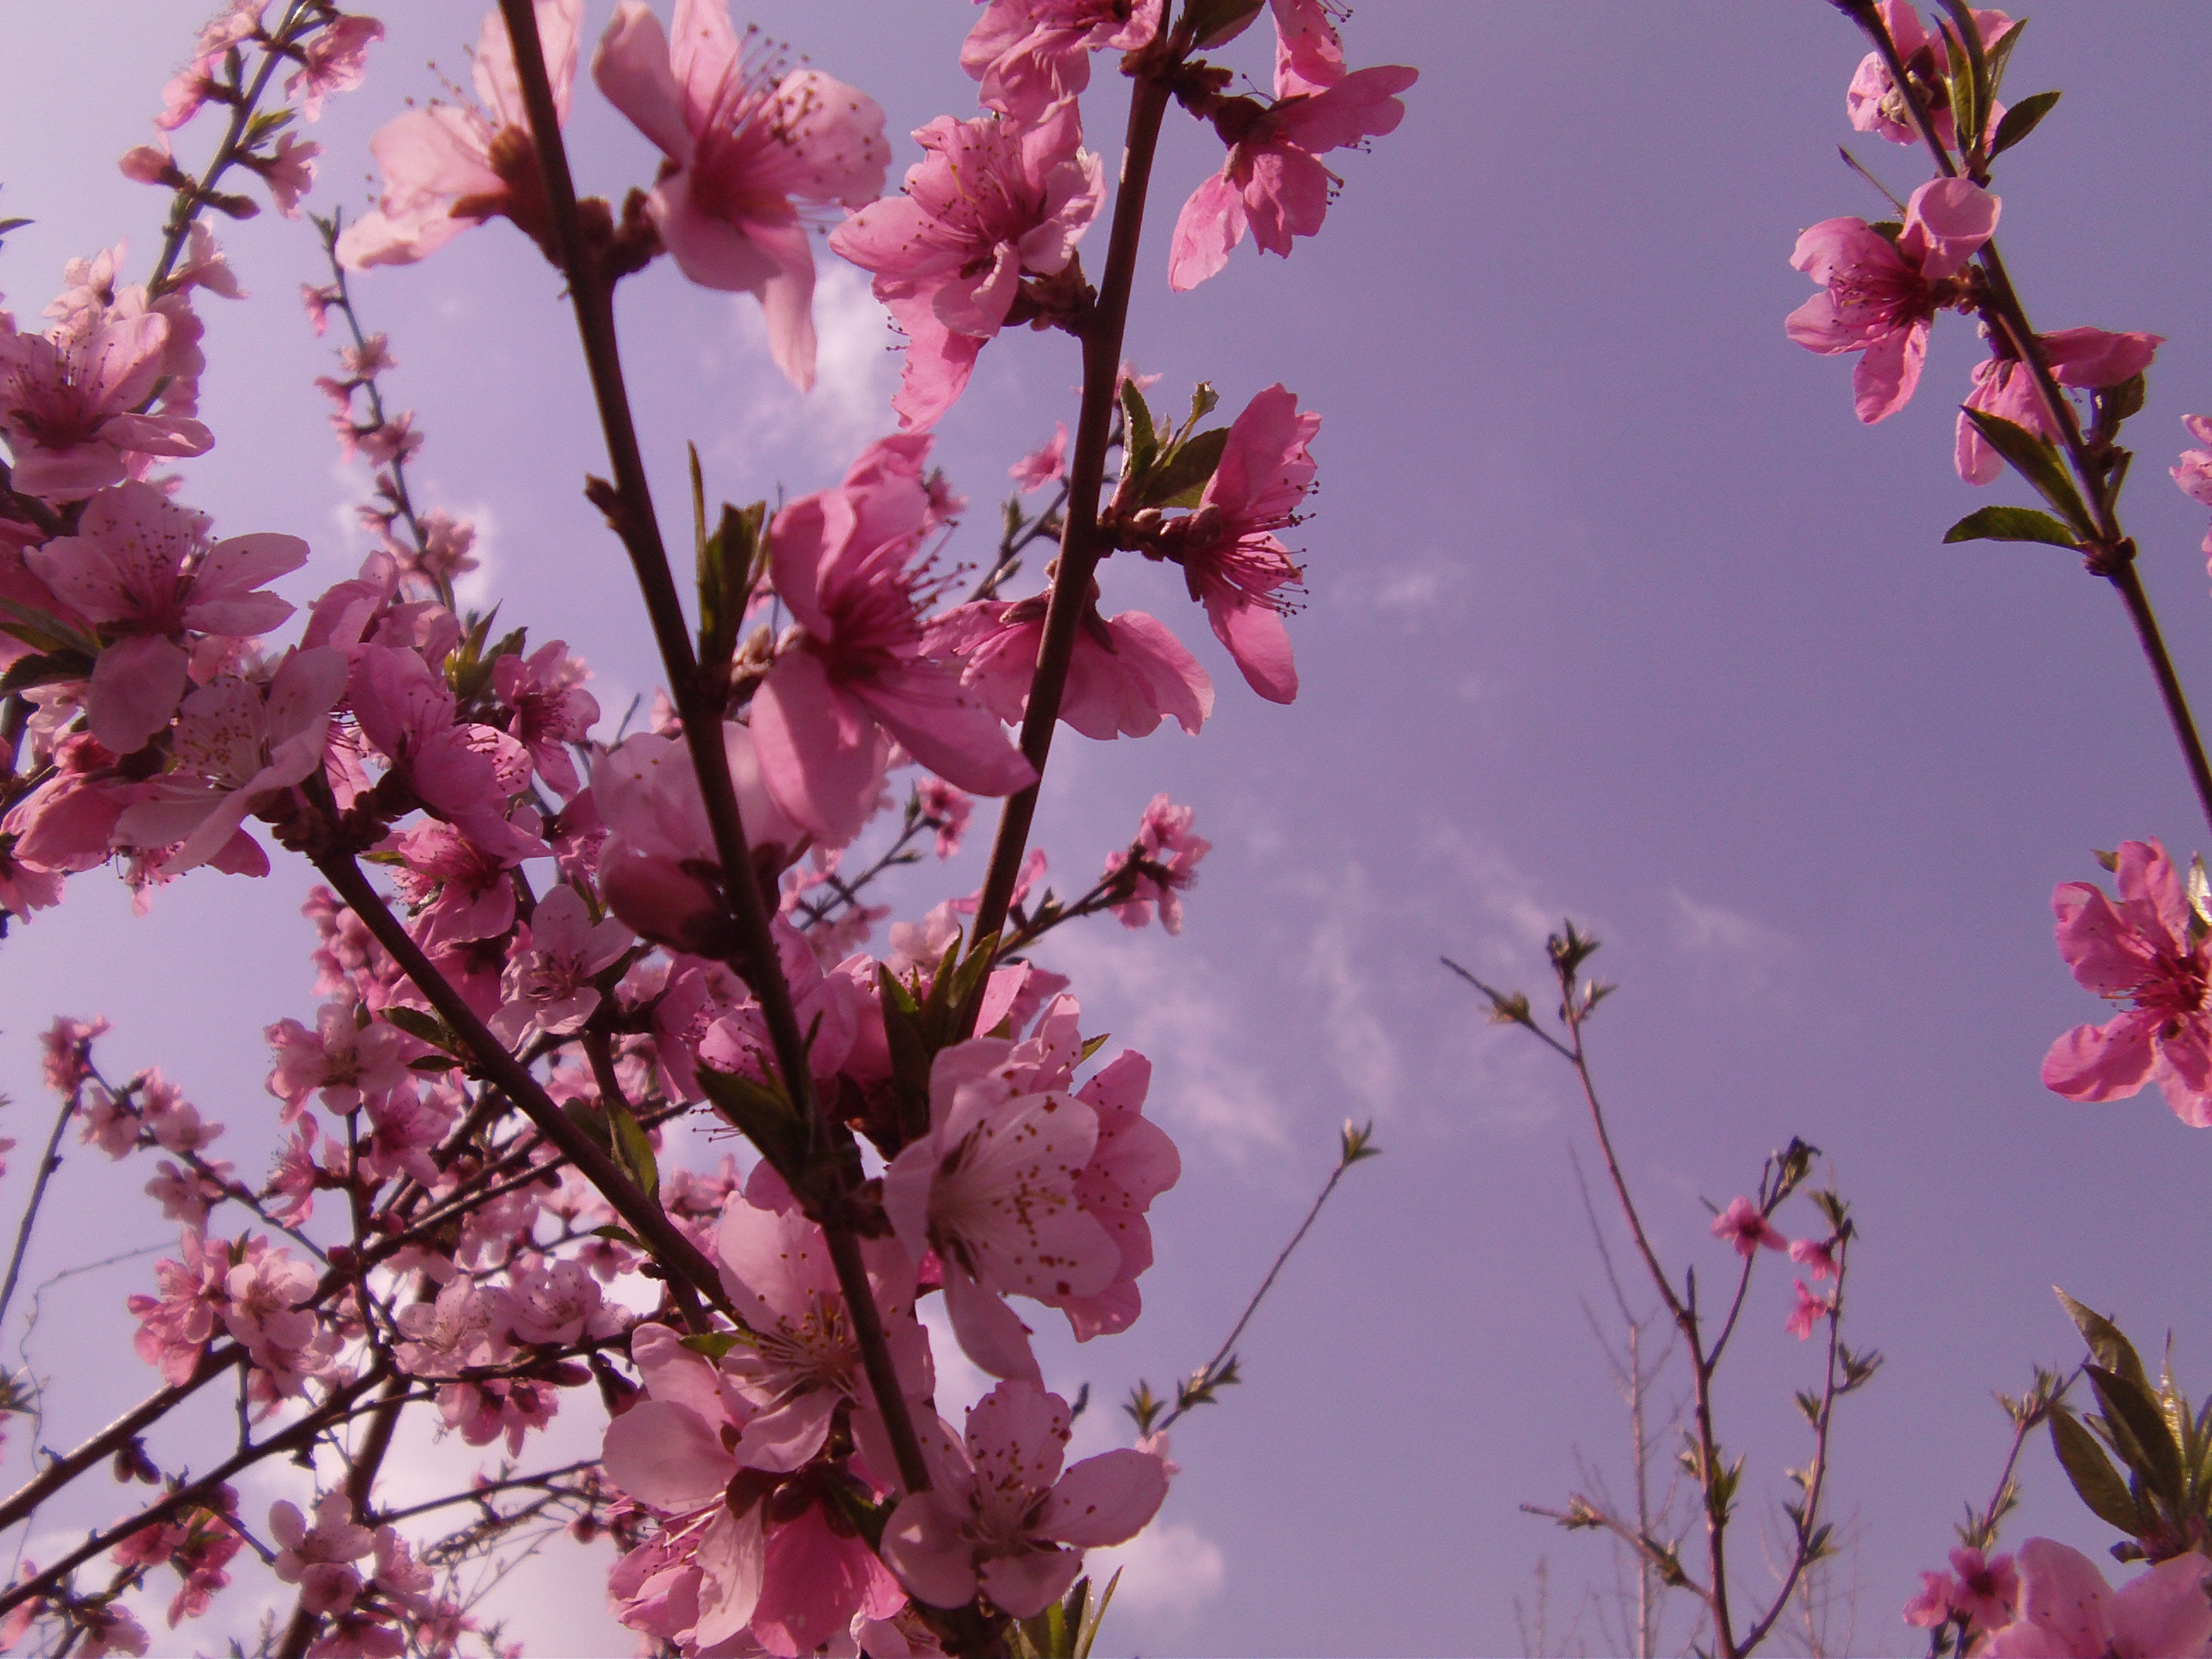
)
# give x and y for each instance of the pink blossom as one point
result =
(346, 1060)
(1809, 1311)
(509, 1407)
(467, 773)
(551, 708)
(805, 1361)
(1133, 1163)
(1002, 1516)
(315, 1558)
(854, 675)
(1166, 856)
(334, 59)
(1231, 557)
(2004, 387)
(2146, 950)
(1874, 102)
(268, 1307)
(747, 145)
(1879, 297)
(445, 1337)
(991, 1189)
(238, 22)
(557, 1303)
(1745, 1228)
(2194, 474)
(1031, 54)
(317, 302)
(142, 568)
(237, 742)
(68, 402)
(403, 1127)
(455, 889)
(946, 808)
(2067, 1608)
(1818, 1254)
(67, 1045)
(1048, 465)
(1128, 673)
(174, 1327)
(446, 168)
(1273, 182)
(993, 201)
(657, 867)
(555, 958)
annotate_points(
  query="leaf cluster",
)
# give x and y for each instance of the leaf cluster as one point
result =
(2143, 1461)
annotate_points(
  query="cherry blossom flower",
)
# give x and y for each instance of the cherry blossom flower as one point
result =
(174, 1327)
(2004, 387)
(991, 1189)
(1744, 1227)
(2066, 1609)
(1873, 100)
(334, 59)
(403, 1125)
(1166, 855)
(316, 1558)
(237, 741)
(1808, 1310)
(946, 808)
(444, 1337)
(1031, 54)
(658, 857)
(446, 167)
(238, 22)
(467, 773)
(854, 673)
(993, 201)
(1230, 556)
(70, 403)
(747, 145)
(559, 1302)
(1048, 465)
(1001, 1513)
(1879, 297)
(551, 708)
(2146, 949)
(549, 978)
(1273, 182)
(346, 1060)
(1126, 675)
(1818, 1254)
(455, 889)
(143, 569)
(2194, 474)
(1133, 1163)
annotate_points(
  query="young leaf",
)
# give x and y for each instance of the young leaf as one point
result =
(1142, 444)
(2106, 1345)
(1182, 477)
(2011, 524)
(2096, 1481)
(2138, 1429)
(2022, 119)
(634, 1150)
(2035, 459)
(425, 1026)
(1998, 54)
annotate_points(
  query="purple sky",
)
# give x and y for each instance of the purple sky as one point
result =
(1616, 612)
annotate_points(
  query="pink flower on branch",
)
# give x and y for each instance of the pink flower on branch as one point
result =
(1273, 182)
(1744, 1228)
(993, 201)
(446, 167)
(549, 984)
(854, 674)
(748, 144)
(70, 403)
(1879, 297)
(2066, 1609)
(1048, 465)
(1128, 672)
(1031, 54)
(1807, 1311)
(1166, 855)
(2004, 387)
(1873, 100)
(1002, 1516)
(2150, 950)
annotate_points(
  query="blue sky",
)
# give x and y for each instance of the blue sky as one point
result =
(1616, 612)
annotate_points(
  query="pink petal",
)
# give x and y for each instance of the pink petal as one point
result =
(1106, 1499)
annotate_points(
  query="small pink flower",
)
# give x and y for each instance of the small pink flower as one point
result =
(993, 200)
(1031, 54)
(1745, 1228)
(2005, 388)
(1048, 465)
(1879, 297)
(2066, 1609)
(2194, 474)
(747, 145)
(1809, 1311)
(238, 22)
(1818, 1254)
(552, 710)
(69, 403)
(446, 168)
(1273, 182)
(948, 809)
(1874, 102)
(1167, 855)
(1128, 672)
(555, 959)
(2140, 950)
(333, 60)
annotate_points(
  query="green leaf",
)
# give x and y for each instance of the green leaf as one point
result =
(2107, 1346)
(1216, 23)
(619, 1235)
(1960, 83)
(2011, 524)
(44, 631)
(1092, 1045)
(1142, 442)
(2139, 1432)
(432, 1063)
(425, 1026)
(2096, 1482)
(763, 1112)
(2022, 119)
(1183, 476)
(729, 563)
(2116, 404)
(634, 1150)
(713, 1344)
(1998, 54)
(2035, 459)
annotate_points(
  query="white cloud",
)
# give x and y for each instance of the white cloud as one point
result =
(1743, 953)
(855, 371)
(1169, 1568)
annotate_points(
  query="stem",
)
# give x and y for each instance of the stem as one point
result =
(48, 1163)
(677, 1253)
(387, 1518)
(111, 1439)
(631, 513)
(1080, 548)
